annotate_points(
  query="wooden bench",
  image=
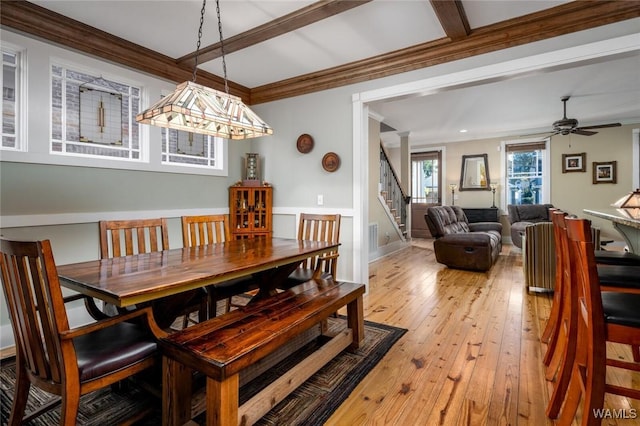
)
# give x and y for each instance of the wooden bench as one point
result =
(222, 347)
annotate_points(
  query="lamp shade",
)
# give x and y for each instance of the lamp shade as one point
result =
(629, 205)
(200, 109)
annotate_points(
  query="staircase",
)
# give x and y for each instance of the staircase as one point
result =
(392, 195)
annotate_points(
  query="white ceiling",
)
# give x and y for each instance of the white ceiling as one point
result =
(600, 93)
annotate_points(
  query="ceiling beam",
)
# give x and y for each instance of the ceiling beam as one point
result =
(43, 23)
(564, 19)
(452, 17)
(302, 17)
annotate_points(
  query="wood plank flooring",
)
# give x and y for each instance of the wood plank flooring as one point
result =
(472, 354)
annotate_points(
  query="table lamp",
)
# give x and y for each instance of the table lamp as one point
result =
(629, 205)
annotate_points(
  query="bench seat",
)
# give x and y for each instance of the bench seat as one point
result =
(221, 347)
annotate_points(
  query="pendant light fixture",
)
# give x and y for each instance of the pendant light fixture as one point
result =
(199, 109)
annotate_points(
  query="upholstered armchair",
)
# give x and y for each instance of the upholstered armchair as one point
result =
(523, 215)
(460, 244)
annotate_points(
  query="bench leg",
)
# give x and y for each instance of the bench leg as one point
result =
(355, 320)
(222, 401)
(176, 392)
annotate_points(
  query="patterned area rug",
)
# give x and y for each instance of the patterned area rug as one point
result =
(311, 404)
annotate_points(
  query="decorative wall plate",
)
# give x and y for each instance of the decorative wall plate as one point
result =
(305, 143)
(331, 161)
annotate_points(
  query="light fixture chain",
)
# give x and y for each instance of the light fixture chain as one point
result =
(224, 63)
(195, 66)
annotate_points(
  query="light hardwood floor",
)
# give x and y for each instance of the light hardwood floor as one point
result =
(472, 354)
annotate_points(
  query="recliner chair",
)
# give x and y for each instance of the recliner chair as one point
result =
(460, 244)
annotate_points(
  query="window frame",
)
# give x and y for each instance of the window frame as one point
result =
(546, 169)
(20, 94)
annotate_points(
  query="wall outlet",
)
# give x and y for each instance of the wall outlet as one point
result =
(320, 199)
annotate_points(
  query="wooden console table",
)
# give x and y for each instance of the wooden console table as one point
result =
(488, 214)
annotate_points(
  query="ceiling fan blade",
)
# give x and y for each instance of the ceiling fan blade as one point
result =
(600, 126)
(542, 134)
(583, 132)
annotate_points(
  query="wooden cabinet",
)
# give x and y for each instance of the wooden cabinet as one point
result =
(250, 211)
(488, 214)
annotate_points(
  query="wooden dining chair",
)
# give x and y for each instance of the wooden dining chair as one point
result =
(619, 277)
(601, 317)
(211, 229)
(129, 237)
(50, 355)
(317, 227)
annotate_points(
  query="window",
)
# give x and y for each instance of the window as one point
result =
(93, 116)
(191, 149)
(11, 98)
(526, 173)
(425, 174)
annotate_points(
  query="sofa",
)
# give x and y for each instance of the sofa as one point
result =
(523, 215)
(460, 244)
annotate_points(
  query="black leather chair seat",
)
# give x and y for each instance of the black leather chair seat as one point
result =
(302, 275)
(619, 276)
(233, 287)
(607, 257)
(621, 308)
(112, 348)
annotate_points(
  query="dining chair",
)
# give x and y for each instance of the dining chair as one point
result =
(129, 237)
(317, 227)
(601, 317)
(613, 277)
(211, 229)
(50, 355)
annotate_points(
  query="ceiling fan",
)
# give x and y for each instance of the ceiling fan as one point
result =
(565, 125)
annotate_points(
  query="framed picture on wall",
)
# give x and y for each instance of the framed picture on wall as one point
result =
(604, 172)
(574, 162)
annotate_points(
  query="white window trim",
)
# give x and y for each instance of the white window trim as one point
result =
(21, 97)
(546, 166)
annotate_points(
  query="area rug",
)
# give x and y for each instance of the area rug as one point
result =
(311, 404)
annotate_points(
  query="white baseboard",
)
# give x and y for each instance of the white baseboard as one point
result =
(387, 249)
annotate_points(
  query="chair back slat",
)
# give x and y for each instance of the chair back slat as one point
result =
(128, 237)
(320, 227)
(36, 307)
(205, 229)
(582, 254)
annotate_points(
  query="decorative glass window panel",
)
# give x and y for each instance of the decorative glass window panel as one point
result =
(93, 116)
(10, 99)
(190, 149)
(100, 116)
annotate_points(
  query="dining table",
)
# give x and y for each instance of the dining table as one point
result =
(137, 279)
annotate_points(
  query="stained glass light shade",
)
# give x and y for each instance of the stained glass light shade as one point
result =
(629, 205)
(200, 109)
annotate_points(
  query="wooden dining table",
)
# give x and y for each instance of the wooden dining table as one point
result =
(131, 280)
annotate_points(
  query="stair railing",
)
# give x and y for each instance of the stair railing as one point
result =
(396, 198)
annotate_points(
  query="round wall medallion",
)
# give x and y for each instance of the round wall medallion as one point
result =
(331, 161)
(305, 143)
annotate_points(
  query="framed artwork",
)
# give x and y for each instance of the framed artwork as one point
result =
(604, 172)
(574, 162)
